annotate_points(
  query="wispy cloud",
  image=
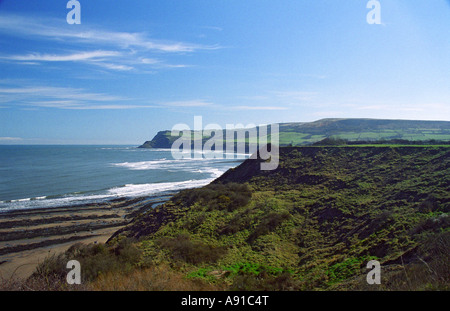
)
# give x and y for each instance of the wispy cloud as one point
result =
(295, 96)
(106, 107)
(271, 100)
(213, 28)
(117, 67)
(207, 104)
(258, 108)
(112, 50)
(46, 27)
(27, 97)
(187, 103)
(103, 59)
(79, 56)
(10, 139)
(56, 92)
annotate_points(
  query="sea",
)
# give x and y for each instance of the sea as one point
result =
(42, 176)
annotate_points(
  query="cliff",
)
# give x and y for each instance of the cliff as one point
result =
(313, 223)
(305, 133)
(161, 140)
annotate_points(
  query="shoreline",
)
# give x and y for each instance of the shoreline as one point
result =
(28, 236)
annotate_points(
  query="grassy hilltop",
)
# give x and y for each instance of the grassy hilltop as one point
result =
(313, 223)
(299, 134)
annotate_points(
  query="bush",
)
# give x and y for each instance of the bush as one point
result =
(239, 222)
(430, 204)
(432, 224)
(434, 254)
(268, 224)
(265, 282)
(38, 283)
(182, 248)
(155, 278)
(95, 259)
(331, 141)
(216, 196)
(347, 268)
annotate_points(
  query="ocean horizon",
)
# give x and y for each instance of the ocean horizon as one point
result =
(43, 176)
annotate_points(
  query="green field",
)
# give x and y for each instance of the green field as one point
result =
(300, 134)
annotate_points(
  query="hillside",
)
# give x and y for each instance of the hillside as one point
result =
(297, 134)
(312, 223)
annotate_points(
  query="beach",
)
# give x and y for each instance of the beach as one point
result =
(52, 197)
(28, 236)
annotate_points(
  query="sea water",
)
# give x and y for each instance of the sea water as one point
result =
(50, 176)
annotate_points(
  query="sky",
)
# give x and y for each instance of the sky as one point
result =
(132, 68)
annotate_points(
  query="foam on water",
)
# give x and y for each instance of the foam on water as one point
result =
(189, 173)
(126, 191)
(133, 190)
(190, 165)
(23, 204)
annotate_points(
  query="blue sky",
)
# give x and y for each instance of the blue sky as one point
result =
(132, 68)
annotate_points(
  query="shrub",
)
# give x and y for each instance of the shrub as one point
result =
(239, 222)
(268, 224)
(95, 259)
(39, 283)
(216, 196)
(434, 255)
(432, 224)
(430, 204)
(155, 278)
(331, 141)
(265, 282)
(347, 268)
(182, 248)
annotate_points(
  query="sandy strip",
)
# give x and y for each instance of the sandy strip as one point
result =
(22, 264)
(27, 237)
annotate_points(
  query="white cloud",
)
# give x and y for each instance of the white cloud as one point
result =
(79, 56)
(149, 61)
(62, 98)
(75, 105)
(10, 139)
(213, 28)
(115, 66)
(14, 93)
(188, 103)
(45, 27)
(98, 58)
(32, 97)
(107, 107)
(258, 108)
(295, 95)
(113, 50)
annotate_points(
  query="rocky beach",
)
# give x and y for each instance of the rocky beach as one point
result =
(27, 237)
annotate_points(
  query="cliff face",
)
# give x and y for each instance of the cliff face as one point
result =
(313, 223)
(161, 140)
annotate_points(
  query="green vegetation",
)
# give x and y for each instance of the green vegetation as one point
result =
(316, 220)
(351, 130)
(346, 269)
(95, 259)
(182, 249)
(338, 141)
(311, 224)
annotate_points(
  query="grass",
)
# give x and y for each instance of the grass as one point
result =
(158, 278)
(311, 224)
